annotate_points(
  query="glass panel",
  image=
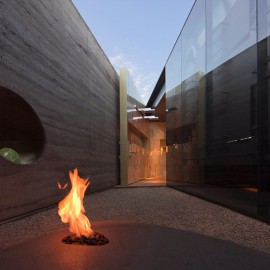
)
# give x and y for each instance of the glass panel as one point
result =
(185, 101)
(212, 115)
(191, 128)
(228, 34)
(173, 81)
(132, 90)
(264, 105)
(137, 132)
(231, 126)
(173, 91)
(263, 19)
(173, 67)
(231, 104)
(193, 42)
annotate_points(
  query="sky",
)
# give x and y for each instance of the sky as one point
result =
(136, 34)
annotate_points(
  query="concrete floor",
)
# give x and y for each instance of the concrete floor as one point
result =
(150, 182)
(161, 206)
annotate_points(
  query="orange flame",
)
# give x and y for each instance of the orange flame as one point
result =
(60, 186)
(71, 209)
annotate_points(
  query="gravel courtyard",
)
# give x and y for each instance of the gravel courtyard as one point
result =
(155, 205)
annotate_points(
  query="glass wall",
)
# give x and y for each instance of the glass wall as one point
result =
(231, 29)
(134, 132)
(185, 86)
(264, 106)
(173, 107)
(216, 80)
(191, 98)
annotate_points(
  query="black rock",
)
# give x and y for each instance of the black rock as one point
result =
(96, 239)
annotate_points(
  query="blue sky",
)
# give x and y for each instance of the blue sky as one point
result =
(137, 34)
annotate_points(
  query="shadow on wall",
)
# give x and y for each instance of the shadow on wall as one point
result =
(22, 137)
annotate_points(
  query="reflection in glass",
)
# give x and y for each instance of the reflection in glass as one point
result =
(173, 67)
(228, 33)
(193, 42)
(231, 115)
(213, 87)
(264, 106)
(263, 19)
(185, 100)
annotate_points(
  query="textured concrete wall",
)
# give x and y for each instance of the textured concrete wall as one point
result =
(138, 156)
(49, 57)
(157, 157)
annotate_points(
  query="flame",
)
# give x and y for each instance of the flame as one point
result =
(60, 186)
(71, 209)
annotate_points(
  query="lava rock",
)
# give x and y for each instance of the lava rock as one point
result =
(96, 239)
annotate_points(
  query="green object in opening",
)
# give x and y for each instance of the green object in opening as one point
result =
(10, 155)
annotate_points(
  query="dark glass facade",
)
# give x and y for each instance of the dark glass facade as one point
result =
(217, 108)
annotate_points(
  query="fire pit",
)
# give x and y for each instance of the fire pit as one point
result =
(96, 239)
(71, 210)
(134, 246)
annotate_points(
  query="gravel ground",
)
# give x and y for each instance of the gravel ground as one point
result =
(157, 205)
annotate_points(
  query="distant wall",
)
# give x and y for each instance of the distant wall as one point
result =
(138, 156)
(52, 61)
(157, 157)
(133, 133)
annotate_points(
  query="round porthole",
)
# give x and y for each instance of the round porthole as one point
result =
(22, 136)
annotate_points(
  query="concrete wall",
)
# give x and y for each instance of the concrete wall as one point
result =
(146, 155)
(138, 157)
(157, 157)
(49, 57)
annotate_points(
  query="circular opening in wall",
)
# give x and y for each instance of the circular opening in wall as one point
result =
(22, 136)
